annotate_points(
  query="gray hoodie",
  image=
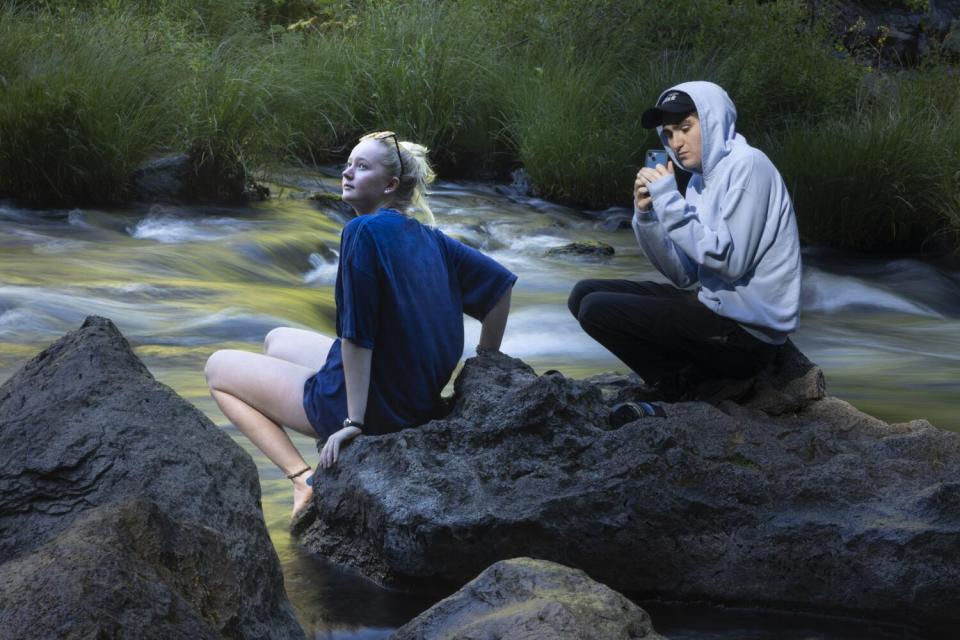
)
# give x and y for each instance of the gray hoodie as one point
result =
(735, 233)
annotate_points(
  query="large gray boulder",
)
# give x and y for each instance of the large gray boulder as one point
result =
(526, 599)
(84, 424)
(807, 505)
(123, 570)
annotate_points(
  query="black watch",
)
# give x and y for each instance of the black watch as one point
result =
(352, 423)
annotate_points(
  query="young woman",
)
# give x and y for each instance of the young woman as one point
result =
(402, 288)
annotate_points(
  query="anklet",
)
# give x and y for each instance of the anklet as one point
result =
(298, 473)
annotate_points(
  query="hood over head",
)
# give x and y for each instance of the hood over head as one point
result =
(718, 119)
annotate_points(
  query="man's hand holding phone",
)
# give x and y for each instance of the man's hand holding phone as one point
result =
(656, 165)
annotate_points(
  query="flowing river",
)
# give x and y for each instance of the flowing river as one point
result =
(181, 282)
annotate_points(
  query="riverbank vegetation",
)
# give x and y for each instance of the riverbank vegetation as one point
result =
(91, 88)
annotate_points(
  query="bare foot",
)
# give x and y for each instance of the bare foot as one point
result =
(302, 495)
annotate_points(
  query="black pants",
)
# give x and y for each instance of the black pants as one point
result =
(660, 331)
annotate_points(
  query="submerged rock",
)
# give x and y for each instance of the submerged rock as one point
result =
(589, 249)
(84, 424)
(192, 177)
(123, 570)
(795, 502)
(526, 599)
(611, 218)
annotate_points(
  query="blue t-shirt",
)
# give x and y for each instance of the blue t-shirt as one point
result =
(402, 289)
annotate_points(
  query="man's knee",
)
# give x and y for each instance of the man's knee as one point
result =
(577, 294)
(593, 312)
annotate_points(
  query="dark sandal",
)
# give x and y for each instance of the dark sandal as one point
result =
(626, 412)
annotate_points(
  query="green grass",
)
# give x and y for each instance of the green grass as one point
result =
(90, 88)
(573, 109)
(885, 177)
(82, 103)
(425, 70)
(575, 127)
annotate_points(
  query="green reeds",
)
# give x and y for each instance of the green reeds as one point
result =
(422, 68)
(81, 103)
(89, 89)
(883, 177)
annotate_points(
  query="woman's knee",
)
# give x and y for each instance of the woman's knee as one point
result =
(299, 346)
(275, 338)
(219, 364)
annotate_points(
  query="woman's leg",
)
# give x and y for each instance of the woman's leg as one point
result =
(258, 394)
(306, 348)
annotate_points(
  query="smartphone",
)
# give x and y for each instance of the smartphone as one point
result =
(653, 157)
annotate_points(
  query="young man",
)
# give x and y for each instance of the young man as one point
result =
(729, 246)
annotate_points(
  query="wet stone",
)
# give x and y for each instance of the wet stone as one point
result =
(84, 425)
(591, 249)
(527, 599)
(784, 497)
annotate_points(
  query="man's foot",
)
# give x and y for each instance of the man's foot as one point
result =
(716, 390)
(679, 386)
(302, 495)
(626, 412)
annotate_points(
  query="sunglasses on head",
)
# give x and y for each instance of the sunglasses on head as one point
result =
(390, 134)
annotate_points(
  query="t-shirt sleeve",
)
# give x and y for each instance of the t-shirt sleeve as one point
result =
(358, 287)
(483, 280)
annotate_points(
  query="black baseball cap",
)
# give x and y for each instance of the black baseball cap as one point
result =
(671, 102)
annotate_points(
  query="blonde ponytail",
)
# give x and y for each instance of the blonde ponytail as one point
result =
(411, 195)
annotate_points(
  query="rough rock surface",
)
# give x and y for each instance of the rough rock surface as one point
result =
(810, 506)
(123, 570)
(525, 599)
(84, 424)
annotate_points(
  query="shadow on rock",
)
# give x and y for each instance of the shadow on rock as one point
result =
(123, 570)
(84, 425)
(790, 383)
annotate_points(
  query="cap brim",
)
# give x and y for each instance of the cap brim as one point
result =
(653, 117)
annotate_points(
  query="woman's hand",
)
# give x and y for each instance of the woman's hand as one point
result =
(331, 449)
(356, 375)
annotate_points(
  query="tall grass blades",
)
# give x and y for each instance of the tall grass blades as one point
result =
(775, 61)
(423, 69)
(89, 88)
(576, 130)
(81, 103)
(310, 100)
(872, 181)
(226, 120)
